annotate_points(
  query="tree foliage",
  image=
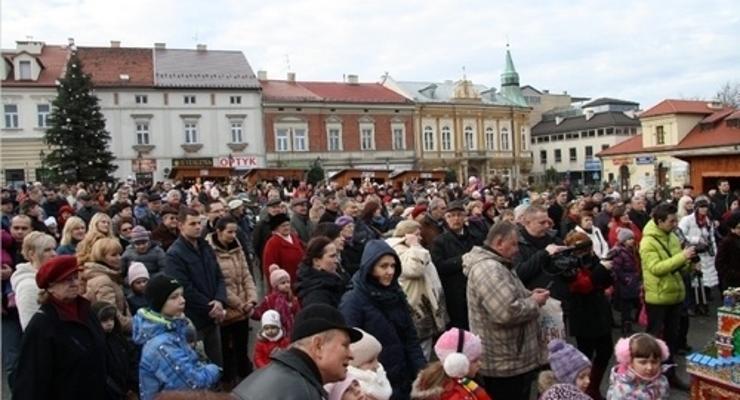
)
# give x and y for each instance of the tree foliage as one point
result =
(315, 173)
(77, 135)
(729, 94)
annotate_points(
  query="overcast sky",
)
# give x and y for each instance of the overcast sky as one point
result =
(637, 50)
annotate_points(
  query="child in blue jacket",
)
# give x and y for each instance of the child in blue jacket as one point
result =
(167, 360)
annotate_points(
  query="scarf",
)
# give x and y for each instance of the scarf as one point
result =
(701, 220)
(69, 311)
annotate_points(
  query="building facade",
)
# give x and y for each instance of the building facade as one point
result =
(568, 140)
(29, 80)
(339, 124)
(471, 129)
(543, 101)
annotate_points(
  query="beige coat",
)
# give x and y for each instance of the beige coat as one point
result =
(240, 287)
(105, 284)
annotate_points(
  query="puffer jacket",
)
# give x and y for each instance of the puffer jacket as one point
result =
(502, 313)
(154, 259)
(240, 286)
(105, 284)
(696, 234)
(23, 282)
(167, 360)
(319, 287)
(662, 264)
(627, 273)
(384, 313)
(626, 385)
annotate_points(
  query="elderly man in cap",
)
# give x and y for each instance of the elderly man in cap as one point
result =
(299, 220)
(319, 354)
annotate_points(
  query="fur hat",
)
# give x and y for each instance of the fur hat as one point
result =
(277, 274)
(566, 361)
(136, 271)
(624, 234)
(277, 220)
(364, 350)
(456, 349)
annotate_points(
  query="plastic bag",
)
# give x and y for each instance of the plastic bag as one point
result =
(551, 325)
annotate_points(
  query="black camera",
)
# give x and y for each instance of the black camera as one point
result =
(700, 247)
(566, 263)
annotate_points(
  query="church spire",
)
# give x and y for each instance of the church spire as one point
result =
(510, 82)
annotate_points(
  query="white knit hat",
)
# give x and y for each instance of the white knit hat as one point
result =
(136, 271)
(364, 350)
(272, 318)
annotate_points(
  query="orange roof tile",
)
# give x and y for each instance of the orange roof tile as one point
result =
(54, 60)
(330, 92)
(671, 106)
(106, 65)
(720, 134)
(631, 145)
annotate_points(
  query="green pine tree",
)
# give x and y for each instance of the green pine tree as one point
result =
(77, 136)
(315, 173)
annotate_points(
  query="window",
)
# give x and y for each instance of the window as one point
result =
(504, 139)
(573, 154)
(609, 131)
(599, 132)
(399, 138)
(558, 155)
(659, 134)
(591, 133)
(490, 139)
(619, 131)
(367, 136)
(191, 132)
(235, 99)
(237, 127)
(428, 138)
(188, 99)
(11, 116)
(446, 139)
(543, 156)
(141, 99)
(633, 131)
(291, 136)
(589, 152)
(335, 137)
(604, 147)
(142, 133)
(43, 112)
(281, 139)
(25, 68)
(469, 134)
(300, 141)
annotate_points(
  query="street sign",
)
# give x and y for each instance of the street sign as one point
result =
(593, 164)
(645, 160)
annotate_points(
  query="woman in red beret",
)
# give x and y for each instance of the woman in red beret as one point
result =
(63, 350)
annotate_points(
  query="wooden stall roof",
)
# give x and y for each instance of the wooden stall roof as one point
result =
(417, 174)
(180, 173)
(256, 175)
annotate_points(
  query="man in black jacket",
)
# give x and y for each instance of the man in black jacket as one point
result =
(263, 231)
(331, 208)
(193, 263)
(447, 251)
(638, 213)
(318, 355)
(722, 199)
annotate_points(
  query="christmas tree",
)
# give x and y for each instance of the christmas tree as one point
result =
(77, 136)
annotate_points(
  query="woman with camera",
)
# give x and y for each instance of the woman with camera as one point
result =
(698, 230)
(589, 313)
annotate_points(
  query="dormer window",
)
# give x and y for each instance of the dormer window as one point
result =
(25, 70)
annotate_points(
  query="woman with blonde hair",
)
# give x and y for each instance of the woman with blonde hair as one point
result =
(72, 234)
(37, 248)
(99, 228)
(103, 280)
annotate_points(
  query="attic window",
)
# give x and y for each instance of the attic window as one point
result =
(25, 69)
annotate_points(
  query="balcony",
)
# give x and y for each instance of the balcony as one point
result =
(143, 148)
(191, 147)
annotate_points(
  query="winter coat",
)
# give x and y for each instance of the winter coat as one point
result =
(479, 227)
(302, 226)
(567, 224)
(450, 389)
(162, 235)
(639, 218)
(68, 249)
(564, 391)
(589, 310)
(721, 203)
(556, 212)
(627, 273)
(600, 246)
(727, 265)
(23, 282)
(122, 363)
(265, 348)
(197, 270)
(532, 263)
(626, 385)
(286, 307)
(6, 258)
(384, 313)
(705, 235)
(262, 233)
(105, 284)
(364, 231)
(614, 227)
(155, 259)
(136, 301)
(316, 286)
(430, 229)
(61, 358)
(447, 252)
(503, 314)
(292, 374)
(240, 287)
(351, 256)
(662, 262)
(329, 216)
(167, 360)
(283, 253)
(424, 293)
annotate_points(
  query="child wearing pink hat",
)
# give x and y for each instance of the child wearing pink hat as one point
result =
(569, 374)
(280, 299)
(459, 354)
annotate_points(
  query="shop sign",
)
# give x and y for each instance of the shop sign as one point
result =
(145, 165)
(622, 161)
(645, 160)
(192, 162)
(592, 165)
(239, 162)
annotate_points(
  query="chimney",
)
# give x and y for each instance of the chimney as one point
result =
(291, 76)
(201, 47)
(589, 113)
(565, 92)
(115, 44)
(71, 42)
(160, 46)
(262, 75)
(353, 79)
(558, 120)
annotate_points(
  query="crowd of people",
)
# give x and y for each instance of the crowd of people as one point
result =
(424, 291)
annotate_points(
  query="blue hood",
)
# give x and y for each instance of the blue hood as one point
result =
(149, 324)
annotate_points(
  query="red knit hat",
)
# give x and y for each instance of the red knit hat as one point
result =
(418, 210)
(56, 269)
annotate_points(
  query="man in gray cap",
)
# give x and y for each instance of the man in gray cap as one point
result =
(299, 220)
(319, 354)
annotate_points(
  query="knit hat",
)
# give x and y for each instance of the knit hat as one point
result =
(55, 269)
(456, 349)
(364, 350)
(336, 390)
(139, 234)
(344, 220)
(234, 204)
(159, 289)
(277, 220)
(419, 209)
(566, 361)
(136, 271)
(624, 234)
(277, 274)
(271, 318)
(564, 392)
